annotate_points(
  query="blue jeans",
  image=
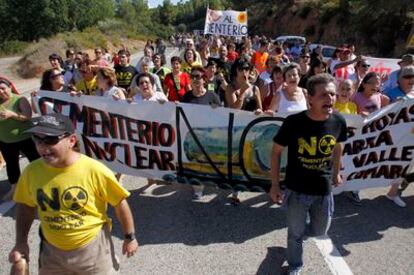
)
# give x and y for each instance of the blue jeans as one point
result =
(320, 210)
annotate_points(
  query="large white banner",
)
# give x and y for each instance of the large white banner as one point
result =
(383, 66)
(228, 23)
(224, 147)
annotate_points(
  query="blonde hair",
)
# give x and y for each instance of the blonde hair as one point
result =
(109, 75)
(346, 82)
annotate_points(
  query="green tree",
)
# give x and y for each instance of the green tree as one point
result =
(86, 13)
(32, 19)
(126, 10)
(167, 13)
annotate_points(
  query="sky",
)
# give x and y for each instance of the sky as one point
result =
(155, 3)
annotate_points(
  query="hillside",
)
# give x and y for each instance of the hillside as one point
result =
(382, 30)
(377, 27)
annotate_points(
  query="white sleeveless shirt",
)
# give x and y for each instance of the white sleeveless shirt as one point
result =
(287, 106)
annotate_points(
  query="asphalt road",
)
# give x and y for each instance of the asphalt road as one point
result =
(181, 236)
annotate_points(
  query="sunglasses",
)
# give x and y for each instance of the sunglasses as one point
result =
(49, 140)
(54, 76)
(365, 65)
(408, 76)
(196, 76)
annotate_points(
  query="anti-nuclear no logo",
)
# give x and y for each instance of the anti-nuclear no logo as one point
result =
(324, 146)
(74, 198)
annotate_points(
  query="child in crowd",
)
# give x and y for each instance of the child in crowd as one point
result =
(343, 102)
(344, 105)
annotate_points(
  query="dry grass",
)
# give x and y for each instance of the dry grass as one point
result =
(35, 58)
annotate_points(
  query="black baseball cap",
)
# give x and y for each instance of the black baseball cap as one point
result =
(51, 125)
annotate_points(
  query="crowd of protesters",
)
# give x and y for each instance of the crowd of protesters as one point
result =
(250, 74)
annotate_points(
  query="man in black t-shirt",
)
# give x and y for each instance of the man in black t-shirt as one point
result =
(313, 138)
(199, 94)
(124, 71)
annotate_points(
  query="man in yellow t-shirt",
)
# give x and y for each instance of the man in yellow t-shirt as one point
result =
(70, 192)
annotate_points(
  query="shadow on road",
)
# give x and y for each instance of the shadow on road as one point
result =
(175, 218)
(354, 224)
(272, 264)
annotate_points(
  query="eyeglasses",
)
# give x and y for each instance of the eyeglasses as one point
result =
(408, 76)
(48, 140)
(54, 76)
(196, 76)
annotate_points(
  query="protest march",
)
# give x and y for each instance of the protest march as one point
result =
(228, 110)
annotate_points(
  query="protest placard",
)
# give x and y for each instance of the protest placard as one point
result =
(227, 22)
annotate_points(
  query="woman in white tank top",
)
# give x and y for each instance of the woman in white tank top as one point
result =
(291, 98)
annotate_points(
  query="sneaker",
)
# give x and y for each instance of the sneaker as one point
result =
(197, 196)
(397, 200)
(354, 197)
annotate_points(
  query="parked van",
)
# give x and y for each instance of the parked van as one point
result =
(292, 39)
(327, 51)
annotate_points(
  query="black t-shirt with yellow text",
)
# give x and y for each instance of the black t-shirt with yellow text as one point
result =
(124, 75)
(310, 145)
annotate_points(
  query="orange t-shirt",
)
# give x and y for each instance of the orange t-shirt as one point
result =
(259, 60)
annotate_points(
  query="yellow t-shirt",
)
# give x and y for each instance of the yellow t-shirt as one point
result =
(346, 108)
(71, 202)
(87, 87)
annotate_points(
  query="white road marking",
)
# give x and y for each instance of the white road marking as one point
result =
(332, 257)
(4, 207)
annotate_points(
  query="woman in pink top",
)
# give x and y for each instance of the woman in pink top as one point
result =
(368, 97)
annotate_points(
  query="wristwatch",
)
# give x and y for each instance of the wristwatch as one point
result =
(129, 236)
